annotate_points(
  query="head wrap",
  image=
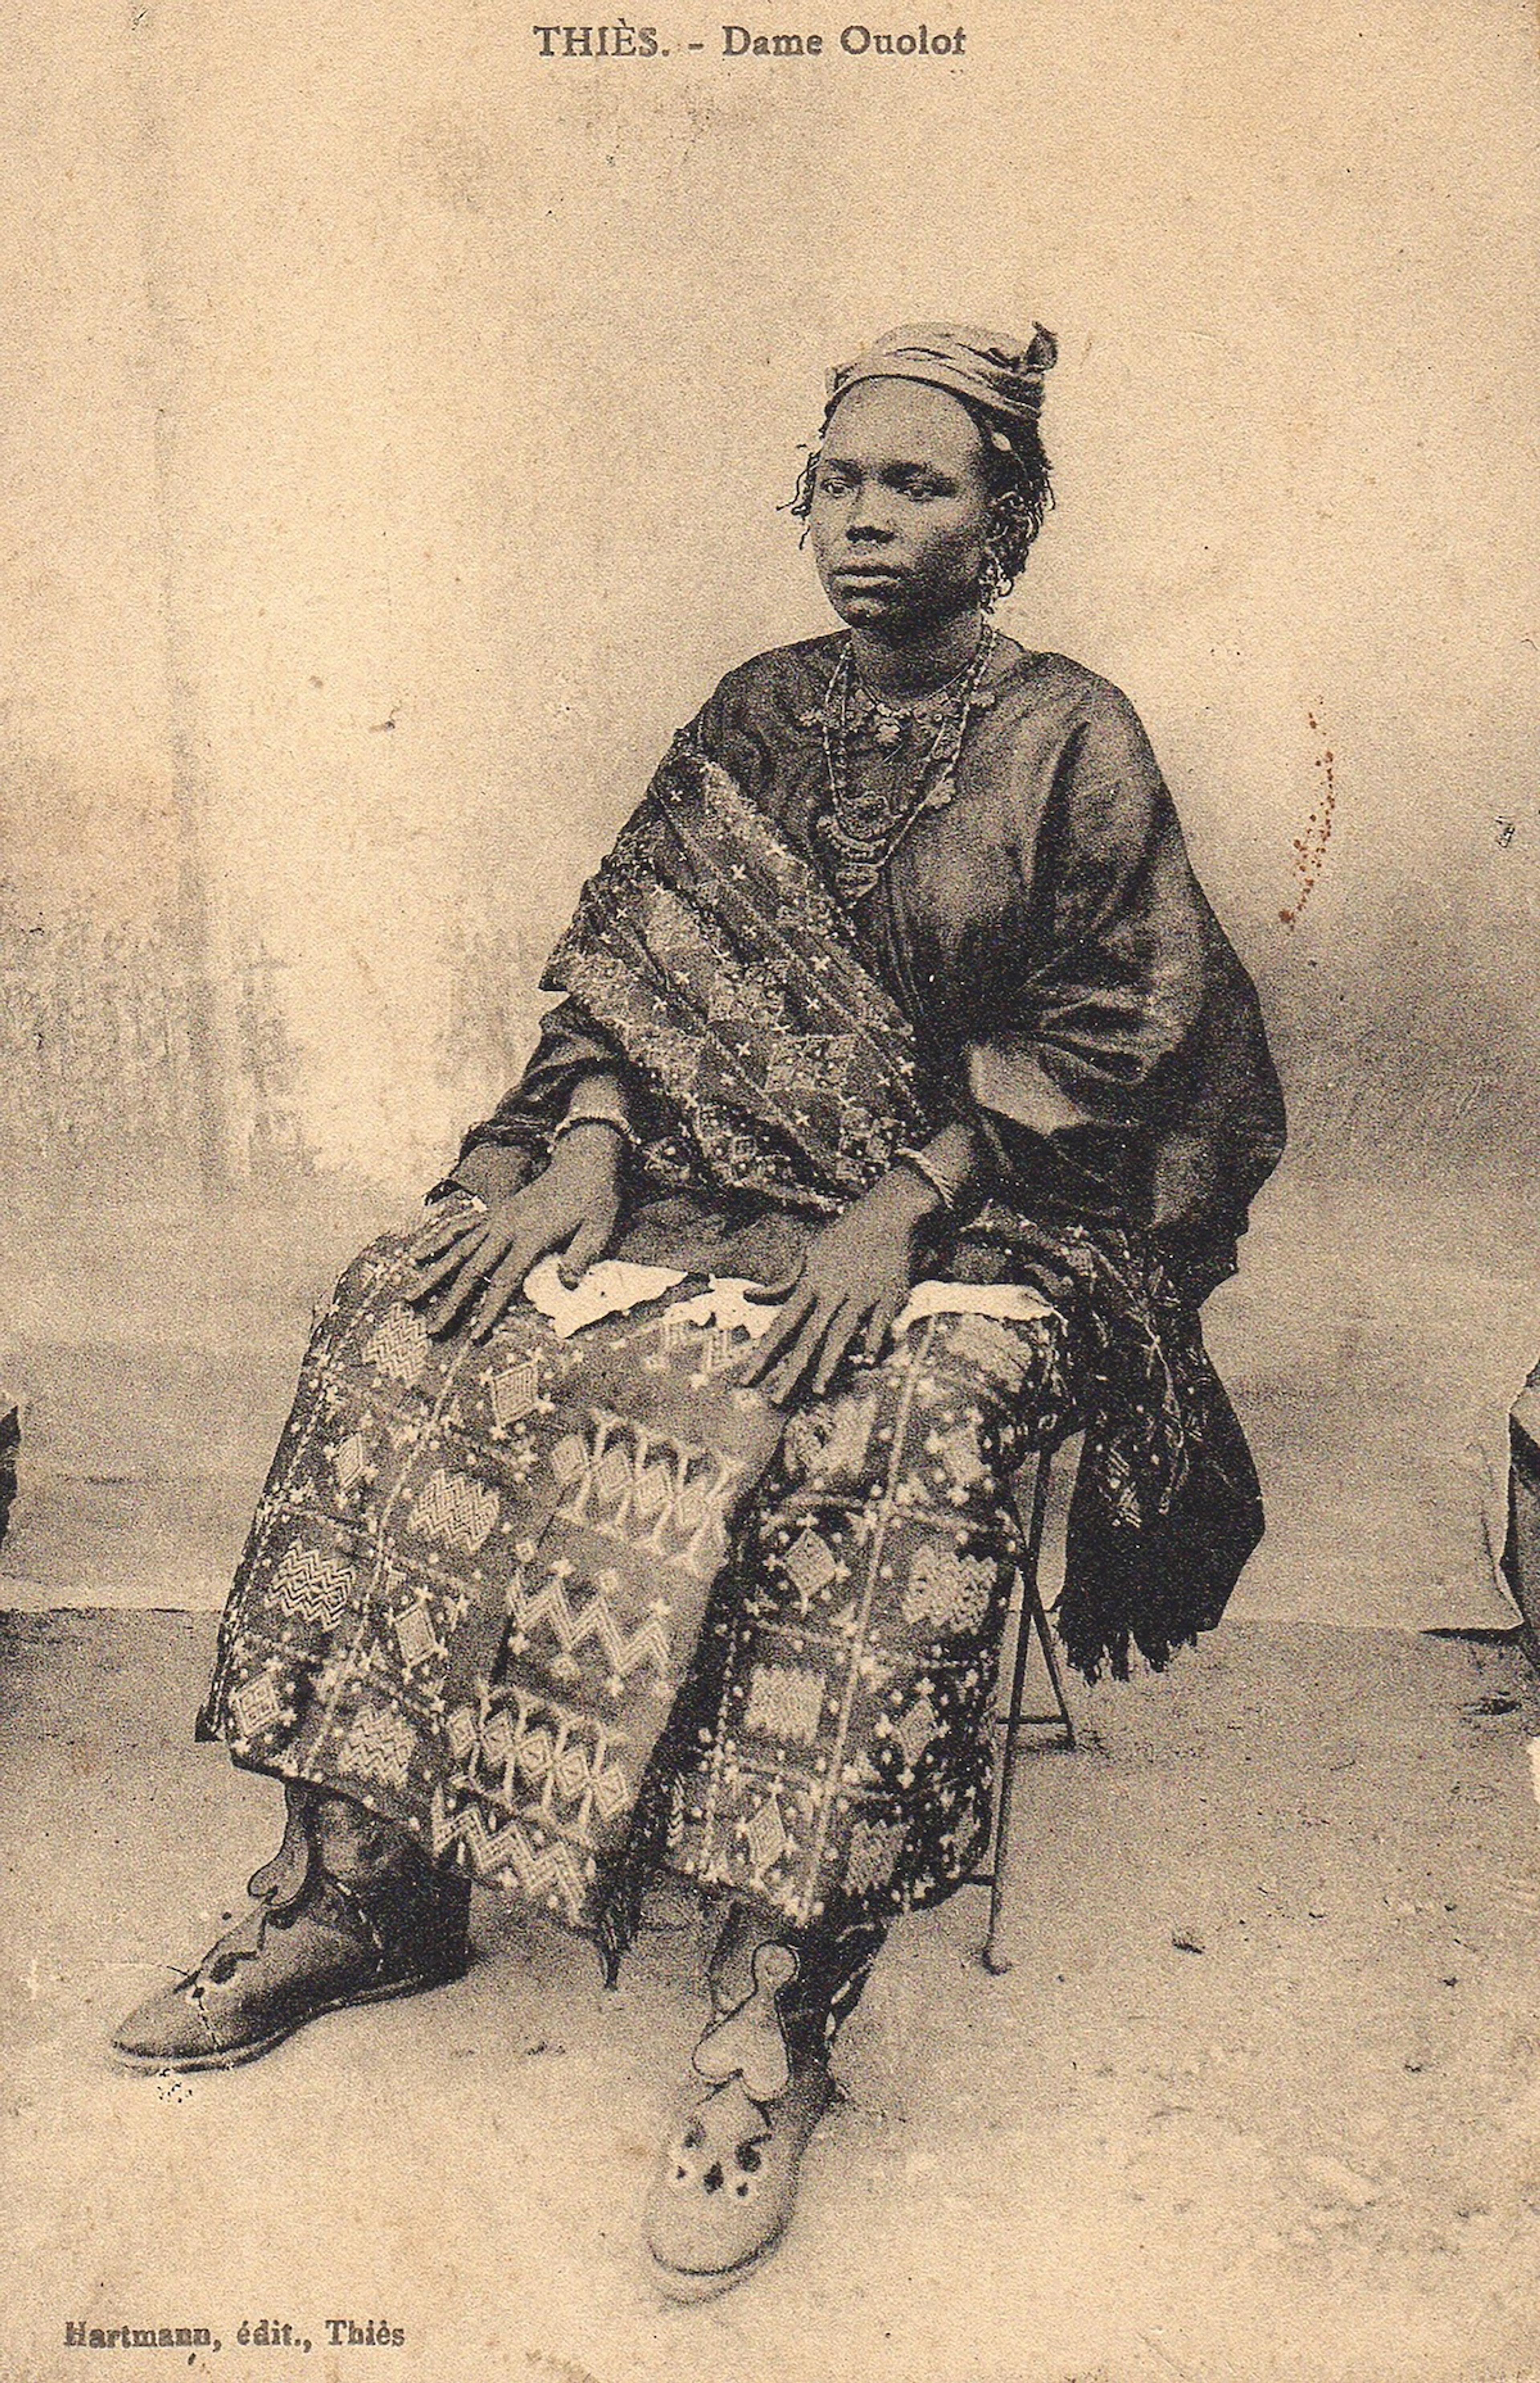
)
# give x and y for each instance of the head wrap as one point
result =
(995, 372)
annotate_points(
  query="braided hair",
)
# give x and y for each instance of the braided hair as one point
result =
(1017, 475)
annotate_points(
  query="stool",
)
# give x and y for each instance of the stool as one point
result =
(1030, 1619)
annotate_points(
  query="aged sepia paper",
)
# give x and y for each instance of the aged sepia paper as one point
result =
(401, 406)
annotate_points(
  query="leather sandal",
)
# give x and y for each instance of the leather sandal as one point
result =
(348, 1911)
(725, 2185)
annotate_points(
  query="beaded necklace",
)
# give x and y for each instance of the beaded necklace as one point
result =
(863, 826)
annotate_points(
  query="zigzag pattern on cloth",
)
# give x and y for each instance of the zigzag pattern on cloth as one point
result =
(314, 1586)
(545, 1873)
(572, 1627)
(946, 1588)
(379, 1745)
(400, 1347)
(454, 1508)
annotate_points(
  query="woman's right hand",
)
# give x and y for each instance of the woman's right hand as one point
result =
(478, 1263)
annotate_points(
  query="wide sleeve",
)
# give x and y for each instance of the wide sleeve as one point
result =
(1079, 1056)
(571, 1048)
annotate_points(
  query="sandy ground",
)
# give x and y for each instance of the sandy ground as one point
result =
(1260, 2098)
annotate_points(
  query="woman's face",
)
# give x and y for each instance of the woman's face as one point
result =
(901, 507)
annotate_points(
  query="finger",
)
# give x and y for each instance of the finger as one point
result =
(444, 1231)
(780, 1333)
(586, 1246)
(480, 1255)
(796, 1363)
(768, 1294)
(841, 1331)
(879, 1330)
(466, 1289)
(444, 1270)
(758, 1360)
(498, 1298)
(506, 1280)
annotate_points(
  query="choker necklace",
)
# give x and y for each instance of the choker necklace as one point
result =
(892, 714)
(863, 826)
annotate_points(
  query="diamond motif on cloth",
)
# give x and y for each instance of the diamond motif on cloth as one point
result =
(400, 1347)
(350, 1463)
(611, 1792)
(613, 1473)
(461, 1731)
(569, 1459)
(824, 1060)
(313, 1587)
(457, 1509)
(652, 1492)
(947, 1589)
(536, 1752)
(414, 1635)
(874, 1850)
(784, 1703)
(811, 1564)
(835, 1445)
(380, 1746)
(697, 1503)
(552, 1762)
(845, 1450)
(516, 1391)
(917, 1729)
(767, 1838)
(256, 1706)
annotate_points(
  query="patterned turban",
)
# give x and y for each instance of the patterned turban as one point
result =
(994, 372)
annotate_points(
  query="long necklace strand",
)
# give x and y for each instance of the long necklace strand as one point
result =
(865, 829)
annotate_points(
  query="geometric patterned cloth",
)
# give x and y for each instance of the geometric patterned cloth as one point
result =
(494, 1590)
(478, 1572)
(843, 1766)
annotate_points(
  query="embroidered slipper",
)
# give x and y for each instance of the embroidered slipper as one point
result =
(347, 1911)
(726, 2186)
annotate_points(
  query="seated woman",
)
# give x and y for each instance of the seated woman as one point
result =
(903, 1103)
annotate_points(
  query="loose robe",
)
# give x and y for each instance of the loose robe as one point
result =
(570, 1609)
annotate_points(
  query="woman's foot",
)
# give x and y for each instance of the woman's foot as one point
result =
(726, 2186)
(348, 1911)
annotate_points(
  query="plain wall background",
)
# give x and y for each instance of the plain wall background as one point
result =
(395, 425)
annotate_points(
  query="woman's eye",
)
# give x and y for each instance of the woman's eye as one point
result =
(833, 484)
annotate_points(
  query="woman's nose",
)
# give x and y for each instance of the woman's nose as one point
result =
(866, 521)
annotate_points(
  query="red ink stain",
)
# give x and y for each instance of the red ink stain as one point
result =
(1309, 849)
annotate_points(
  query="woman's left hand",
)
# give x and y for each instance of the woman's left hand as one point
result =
(849, 1290)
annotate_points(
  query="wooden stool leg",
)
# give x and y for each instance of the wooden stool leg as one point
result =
(1030, 1614)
